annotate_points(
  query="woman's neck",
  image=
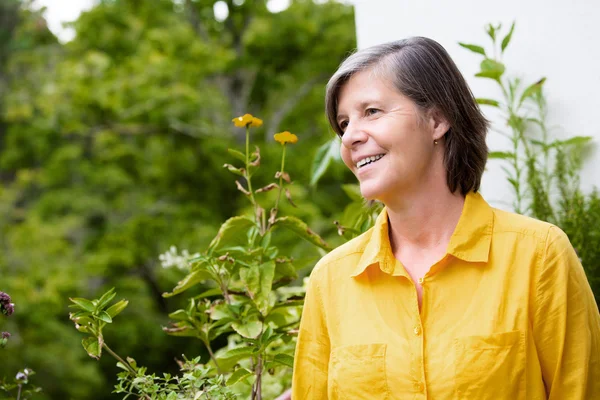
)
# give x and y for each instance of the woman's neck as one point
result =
(425, 219)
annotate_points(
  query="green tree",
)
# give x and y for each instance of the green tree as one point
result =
(112, 151)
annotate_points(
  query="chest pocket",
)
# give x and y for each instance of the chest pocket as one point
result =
(490, 367)
(358, 372)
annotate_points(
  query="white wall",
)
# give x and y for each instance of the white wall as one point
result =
(555, 39)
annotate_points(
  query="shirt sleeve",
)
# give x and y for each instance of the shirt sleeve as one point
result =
(312, 349)
(566, 323)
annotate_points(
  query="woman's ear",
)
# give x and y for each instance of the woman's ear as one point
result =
(439, 124)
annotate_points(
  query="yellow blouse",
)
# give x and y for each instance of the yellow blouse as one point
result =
(507, 314)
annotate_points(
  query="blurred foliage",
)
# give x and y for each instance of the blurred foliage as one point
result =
(543, 170)
(111, 150)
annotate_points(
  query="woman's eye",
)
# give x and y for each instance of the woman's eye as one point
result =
(343, 125)
(371, 111)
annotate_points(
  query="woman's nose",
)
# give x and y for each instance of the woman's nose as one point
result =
(353, 135)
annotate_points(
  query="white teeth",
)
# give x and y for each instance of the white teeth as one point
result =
(368, 160)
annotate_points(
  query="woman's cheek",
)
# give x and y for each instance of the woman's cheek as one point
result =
(346, 157)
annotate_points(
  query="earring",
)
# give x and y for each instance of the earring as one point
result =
(435, 141)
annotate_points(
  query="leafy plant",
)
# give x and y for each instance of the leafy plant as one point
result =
(543, 171)
(247, 299)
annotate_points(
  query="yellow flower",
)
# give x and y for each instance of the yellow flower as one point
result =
(247, 120)
(285, 137)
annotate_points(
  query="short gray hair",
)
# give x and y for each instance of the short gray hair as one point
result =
(422, 70)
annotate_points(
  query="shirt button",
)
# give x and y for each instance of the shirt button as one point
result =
(419, 386)
(421, 280)
(417, 330)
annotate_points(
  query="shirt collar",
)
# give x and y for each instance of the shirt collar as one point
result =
(470, 241)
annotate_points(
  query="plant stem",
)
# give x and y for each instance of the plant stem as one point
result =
(212, 356)
(281, 178)
(257, 389)
(116, 356)
(19, 393)
(252, 200)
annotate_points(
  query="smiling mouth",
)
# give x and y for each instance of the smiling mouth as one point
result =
(369, 160)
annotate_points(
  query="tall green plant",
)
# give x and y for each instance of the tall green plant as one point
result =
(543, 171)
(246, 273)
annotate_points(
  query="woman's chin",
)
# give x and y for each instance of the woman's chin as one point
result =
(369, 191)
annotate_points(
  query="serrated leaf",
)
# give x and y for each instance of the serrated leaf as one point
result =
(116, 308)
(92, 347)
(503, 155)
(284, 359)
(474, 48)
(104, 316)
(488, 102)
(249, 330)
(324, 156)
(300, 228)
(238, 375)
(237, 154)
(83, 304)
(506, 39)
(233, 232)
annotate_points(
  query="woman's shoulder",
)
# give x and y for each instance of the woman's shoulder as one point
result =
(510, 222)
(345, 256)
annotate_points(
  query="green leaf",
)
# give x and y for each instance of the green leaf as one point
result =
(491, 69)
(84, 304)
(238, 375)
(179, 315)
(237, 154)
(267, 272)
(284, 359)
(191, 280)
(237, 171)
(503, 155)
(532, 90)
(105, 299)
(491, 31)
(210, 292)
(221, 311)
(116, 308)
(289, 303)
(300, 228)
(576, 140)
(488, 102)
(231, 357)
(325, 154)
(92, 346)
(353, 191)
(251, 278)
(104, 316)
(506, 39)
(249, 330)
(233, 232)
(474, 48)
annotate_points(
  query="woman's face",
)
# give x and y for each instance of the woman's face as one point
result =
(386, 143)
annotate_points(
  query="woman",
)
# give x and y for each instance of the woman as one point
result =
(445, 297)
